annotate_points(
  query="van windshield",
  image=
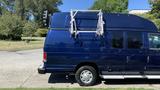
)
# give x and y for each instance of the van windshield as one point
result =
(154, 41)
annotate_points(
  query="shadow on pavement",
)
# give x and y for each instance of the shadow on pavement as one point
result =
(59, 78)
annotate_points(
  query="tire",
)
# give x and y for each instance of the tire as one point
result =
(86, 76)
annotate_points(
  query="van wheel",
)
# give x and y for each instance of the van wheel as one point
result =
(86, 76)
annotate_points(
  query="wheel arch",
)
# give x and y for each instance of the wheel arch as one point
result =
(94, 65)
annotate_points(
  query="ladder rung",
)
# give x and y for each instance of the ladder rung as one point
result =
(87, 10)
(86, 31)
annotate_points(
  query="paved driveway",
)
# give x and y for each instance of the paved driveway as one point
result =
(19, 69)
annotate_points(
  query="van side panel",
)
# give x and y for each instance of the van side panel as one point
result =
(64, 52)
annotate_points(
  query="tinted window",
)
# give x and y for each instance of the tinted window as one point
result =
(135, 40)
(154, 41)
(117, 39)
(59, 38)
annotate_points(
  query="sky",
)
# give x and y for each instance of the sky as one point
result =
(85, 4)
(76, 4)
(138, 4)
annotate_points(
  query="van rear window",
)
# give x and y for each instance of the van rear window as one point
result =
(58, 20)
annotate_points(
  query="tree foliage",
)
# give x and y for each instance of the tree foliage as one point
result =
(14, 19)
(11, 27)
(155, 12)
(155, 8)
(5, 5)
(36, 7)
(111, 5)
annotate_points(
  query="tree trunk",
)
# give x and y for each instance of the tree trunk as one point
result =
(22, 9)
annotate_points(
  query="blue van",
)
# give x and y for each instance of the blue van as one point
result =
(91, 44)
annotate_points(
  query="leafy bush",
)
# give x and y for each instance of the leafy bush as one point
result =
(41, 32)
(11, 27)
(29, 29)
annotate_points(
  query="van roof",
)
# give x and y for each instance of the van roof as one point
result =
(113, 21)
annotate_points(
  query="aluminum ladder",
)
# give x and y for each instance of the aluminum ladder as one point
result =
(100, 24)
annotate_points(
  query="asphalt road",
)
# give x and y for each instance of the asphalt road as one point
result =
(19, 69)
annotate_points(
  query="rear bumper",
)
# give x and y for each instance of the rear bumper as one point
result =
(41, 69)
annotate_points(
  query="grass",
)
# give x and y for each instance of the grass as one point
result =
(20, 45)
(74, 89)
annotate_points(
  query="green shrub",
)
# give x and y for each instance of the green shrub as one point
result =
(11, 27)
(29, 29)
(41, 32)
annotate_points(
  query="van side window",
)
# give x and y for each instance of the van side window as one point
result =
(134, 40)
(154, 41)
(117, 39)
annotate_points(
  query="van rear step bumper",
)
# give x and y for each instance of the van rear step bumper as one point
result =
(41, 69)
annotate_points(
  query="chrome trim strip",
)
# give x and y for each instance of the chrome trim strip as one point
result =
(129, 76)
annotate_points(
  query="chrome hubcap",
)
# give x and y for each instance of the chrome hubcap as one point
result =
(86, 76)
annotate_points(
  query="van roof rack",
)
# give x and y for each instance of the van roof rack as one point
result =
(99, 30)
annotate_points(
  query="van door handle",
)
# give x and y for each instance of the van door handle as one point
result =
(148, 59)
(140, 52)
(127, 59)
(86, 49)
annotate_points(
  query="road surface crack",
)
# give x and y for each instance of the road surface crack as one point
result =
(22, 84)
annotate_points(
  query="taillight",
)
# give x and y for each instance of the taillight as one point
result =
(44, 56)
